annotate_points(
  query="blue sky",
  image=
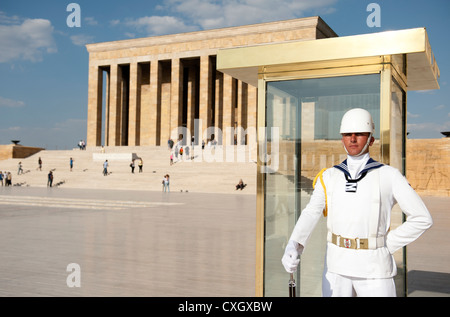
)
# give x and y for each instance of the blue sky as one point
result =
(44, 63)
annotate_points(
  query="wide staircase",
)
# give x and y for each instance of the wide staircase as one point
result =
(211, 171)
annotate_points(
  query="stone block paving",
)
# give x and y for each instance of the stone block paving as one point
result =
(137, 244)
(144, 243)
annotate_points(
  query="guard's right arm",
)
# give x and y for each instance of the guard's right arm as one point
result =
(304, 227)
(311, 214)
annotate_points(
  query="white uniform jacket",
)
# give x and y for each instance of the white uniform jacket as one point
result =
(351, 215)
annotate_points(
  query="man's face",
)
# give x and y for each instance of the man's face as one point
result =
(355, 142)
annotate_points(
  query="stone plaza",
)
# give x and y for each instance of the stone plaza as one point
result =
(148, 243)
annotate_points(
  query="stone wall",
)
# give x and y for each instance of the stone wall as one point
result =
(427, 162)
(17, 151)
(428, 165)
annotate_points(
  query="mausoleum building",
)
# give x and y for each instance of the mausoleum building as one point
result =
(147, 90)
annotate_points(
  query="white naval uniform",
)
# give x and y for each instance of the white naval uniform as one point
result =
(350, 215)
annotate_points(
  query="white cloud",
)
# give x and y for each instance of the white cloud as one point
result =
(26, 40)
(9, 103)
(223, 13)
(428, 127)
(412, 115)
(192, 15)
(159, 25)
(81, 39)
(114, 22)
(90, 21)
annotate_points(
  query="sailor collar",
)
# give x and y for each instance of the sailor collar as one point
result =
(351, 184)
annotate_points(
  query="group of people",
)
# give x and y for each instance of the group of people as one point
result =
(140, 164)
(5, 177)
(179, 149)
(82, 145)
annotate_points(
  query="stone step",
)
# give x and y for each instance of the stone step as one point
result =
(206, 173)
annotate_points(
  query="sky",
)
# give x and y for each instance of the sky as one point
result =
(44, 61)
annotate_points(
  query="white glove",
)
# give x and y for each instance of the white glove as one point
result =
(290, 258)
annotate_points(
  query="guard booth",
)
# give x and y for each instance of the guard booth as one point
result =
(304, 88)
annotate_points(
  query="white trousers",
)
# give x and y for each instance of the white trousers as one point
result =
(335, 285)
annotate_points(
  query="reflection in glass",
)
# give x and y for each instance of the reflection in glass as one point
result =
(397, 160)
(307, 114)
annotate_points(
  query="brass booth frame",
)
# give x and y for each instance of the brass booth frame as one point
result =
(404, 61)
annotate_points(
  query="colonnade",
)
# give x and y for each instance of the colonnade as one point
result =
(138, 103)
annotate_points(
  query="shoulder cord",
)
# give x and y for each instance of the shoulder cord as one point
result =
(319, 175)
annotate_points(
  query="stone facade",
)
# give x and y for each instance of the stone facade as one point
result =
(145, 91)
(17, 151)
(428, 165)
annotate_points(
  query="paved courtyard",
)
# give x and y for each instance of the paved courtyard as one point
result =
(126, 243)
(143, 243)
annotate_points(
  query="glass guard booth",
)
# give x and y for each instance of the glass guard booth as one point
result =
(304, 88)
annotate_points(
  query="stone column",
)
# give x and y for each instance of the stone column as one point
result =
(191, 97)
(155, 103)
(145, 104)
(94, 115)
(175, 96)
(218, 104)
(252, 106)
(228, 108)
(241, 112)
(165, 101)
(114, 106)
(206, 82)
(308, 120)
(134, 104)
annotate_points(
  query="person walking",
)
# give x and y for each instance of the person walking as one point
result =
(358, 195)
(50, 179)
(105, 168)
(8, 179)
(140, 164)
(166, 183)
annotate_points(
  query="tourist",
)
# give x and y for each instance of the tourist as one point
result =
(132, 166)
(240, 185)
(9, 179)
(166, 183)
(19, 168)
(105, 168)
(50, 179)
(140, 164)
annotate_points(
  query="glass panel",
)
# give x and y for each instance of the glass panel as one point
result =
(397, 160)
(306, 114)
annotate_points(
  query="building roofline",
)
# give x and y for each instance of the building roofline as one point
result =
(214, 34)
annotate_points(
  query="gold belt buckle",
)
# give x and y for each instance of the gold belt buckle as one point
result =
(348, 243)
